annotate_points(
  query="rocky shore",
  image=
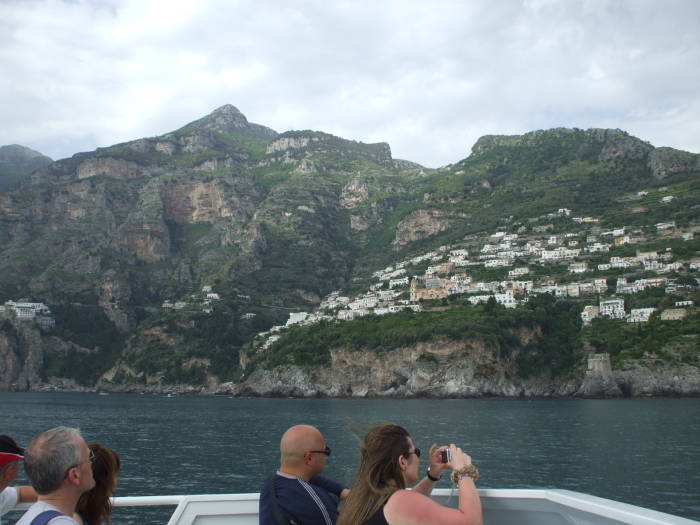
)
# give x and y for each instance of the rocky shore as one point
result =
(635, 379)
(432, 370)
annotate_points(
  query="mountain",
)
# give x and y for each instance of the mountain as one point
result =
(17, 163)
(271, 223)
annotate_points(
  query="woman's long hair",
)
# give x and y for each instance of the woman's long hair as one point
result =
(95, 505)
(378, 475)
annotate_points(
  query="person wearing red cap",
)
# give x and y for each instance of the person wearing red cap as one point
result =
(10, 456)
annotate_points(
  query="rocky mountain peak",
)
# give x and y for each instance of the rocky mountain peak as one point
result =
(15, 152)
(17, 163)
(228, 119)
(223, 119)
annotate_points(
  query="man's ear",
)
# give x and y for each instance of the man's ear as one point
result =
(73, 476)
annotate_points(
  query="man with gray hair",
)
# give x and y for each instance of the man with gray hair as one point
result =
(58, 462)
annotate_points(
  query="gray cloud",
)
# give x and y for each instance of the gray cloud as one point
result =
(429, 78)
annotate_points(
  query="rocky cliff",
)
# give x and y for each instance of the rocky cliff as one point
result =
(446, 370)
(24, 351)
(274, 221)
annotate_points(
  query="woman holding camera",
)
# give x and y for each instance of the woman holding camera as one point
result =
(388, 464)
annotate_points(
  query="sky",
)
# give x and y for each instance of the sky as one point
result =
(429, 78)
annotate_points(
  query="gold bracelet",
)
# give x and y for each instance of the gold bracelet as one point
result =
(470, 471)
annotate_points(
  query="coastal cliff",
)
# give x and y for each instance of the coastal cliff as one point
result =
(173, 263)
(451, 371)
(402, 374)
(443, 370)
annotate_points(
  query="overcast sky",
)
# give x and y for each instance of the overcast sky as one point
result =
(429, 78)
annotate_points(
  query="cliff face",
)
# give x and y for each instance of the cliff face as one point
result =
(444, 370)
(457, 370)
(420, 225)
(23, 352)
(640, 378)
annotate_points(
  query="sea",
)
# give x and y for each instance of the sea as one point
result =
(640, 451)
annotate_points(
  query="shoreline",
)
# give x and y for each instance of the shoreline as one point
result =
(195, 392)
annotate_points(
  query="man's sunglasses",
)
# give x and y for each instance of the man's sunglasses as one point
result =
(91, 459)
(327, 451)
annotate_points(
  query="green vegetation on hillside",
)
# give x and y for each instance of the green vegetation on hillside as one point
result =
(187, 345)
(665, 341)
(99, 340)
(556, 351)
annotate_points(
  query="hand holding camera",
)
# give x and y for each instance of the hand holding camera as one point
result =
(446, 455)
(458, 458)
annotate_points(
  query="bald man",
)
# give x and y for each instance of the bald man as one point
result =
(298, 494)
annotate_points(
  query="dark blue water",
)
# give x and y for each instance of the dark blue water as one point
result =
(640, 451)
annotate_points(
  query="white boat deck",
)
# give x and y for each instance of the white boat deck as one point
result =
(501, 507)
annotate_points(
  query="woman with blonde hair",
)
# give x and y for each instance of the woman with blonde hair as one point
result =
(95, 506)
(388, 464)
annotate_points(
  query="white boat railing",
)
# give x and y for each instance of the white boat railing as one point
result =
(501, 507)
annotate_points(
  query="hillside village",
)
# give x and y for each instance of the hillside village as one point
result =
(556, 253)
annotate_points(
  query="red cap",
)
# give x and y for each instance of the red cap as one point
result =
(6, 458)
(9, 451)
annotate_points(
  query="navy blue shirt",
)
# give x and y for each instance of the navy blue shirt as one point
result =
(303, 503)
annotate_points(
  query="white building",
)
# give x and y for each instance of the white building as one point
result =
(613, 308)
(346, 315)
(578, 267)
(589, 313)
(661, 226)
(506, 299)
(497, 263)
(27, 311)
(476, 299)
(600, 284)
(296, 318)
(640, 315)
(517, 272)
(403, 281)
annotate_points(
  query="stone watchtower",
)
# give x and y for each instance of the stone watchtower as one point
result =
(599, 380)
(599, 364)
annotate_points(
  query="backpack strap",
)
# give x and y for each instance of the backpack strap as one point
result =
(279, 517)
(45, 517)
